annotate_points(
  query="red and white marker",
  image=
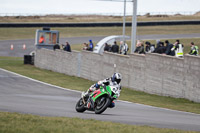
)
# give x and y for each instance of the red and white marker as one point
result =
(24, 46)
(11, 47)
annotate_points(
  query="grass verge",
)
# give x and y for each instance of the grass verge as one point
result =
(29, 33)
(20, 123)
(16, 65)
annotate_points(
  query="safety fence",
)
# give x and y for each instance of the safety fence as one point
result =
(101, 24)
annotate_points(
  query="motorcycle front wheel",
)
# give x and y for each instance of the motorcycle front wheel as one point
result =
(102, 104)
(80, 106)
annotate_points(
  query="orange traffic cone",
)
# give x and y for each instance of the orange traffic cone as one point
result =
(24, 46)
(11, 47)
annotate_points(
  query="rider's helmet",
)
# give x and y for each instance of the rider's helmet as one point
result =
(116, 77)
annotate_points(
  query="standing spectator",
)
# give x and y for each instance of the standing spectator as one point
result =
(62, 46)
(115, 48)
(56, 46)
(161, 48)
(169, 46)
(67, 47)
(194, 49)
(85, 46)
(107, 47)
(42, 39)
(139, 48)
(91, 45)
(149, 48)
(123, 48)
(120, 47)
(157, 43)
(178, 48)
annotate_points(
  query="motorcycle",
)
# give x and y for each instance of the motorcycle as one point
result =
(99, 100)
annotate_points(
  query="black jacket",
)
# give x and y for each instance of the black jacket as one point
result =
(67, 48)
(168, 49)
(56, 46)
(115, 48)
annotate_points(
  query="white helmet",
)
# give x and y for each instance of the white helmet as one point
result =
(116, 77)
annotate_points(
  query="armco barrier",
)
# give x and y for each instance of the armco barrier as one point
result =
(100, 24)
(152, 73)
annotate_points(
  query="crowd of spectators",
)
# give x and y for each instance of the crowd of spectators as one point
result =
(165, 48)
(122, 49)
(115, 48)
(89, 46)
(65, 47)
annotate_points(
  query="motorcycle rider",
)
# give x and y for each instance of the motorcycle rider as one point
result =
(114, 80)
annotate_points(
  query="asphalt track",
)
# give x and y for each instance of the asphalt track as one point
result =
(19, 52)
(25, 95)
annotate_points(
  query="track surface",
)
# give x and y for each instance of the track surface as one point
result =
(19, 94)
(19, 52)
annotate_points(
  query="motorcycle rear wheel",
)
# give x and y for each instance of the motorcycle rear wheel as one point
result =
(80, 106)
(102, 104)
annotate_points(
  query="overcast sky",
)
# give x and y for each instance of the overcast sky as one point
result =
(94, 6)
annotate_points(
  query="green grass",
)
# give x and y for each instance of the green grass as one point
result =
(21, 123)
(16, 65)
(29, 33)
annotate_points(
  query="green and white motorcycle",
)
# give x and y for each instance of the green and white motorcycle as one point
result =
(99, 100)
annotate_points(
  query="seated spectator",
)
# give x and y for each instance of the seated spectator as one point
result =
(115, 48)
(139, 48)
(169, 46)
(67, 47)
(107, 47)
(194, 49)
(56, 46)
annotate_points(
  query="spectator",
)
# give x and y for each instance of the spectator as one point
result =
(62, 46)
(107, 47)
(149, 48)
(85, 46)
(169, 46)
(91, 45)
(139, 48)
(67, 47)
(160, 48)
(42, 40)
(56, 46)
(157, 43)
(194, 49)
(123, 48)
(115, 48)
(178, 48)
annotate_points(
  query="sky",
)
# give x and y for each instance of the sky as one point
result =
(95, 6)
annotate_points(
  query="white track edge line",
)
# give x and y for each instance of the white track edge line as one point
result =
(40, 81)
